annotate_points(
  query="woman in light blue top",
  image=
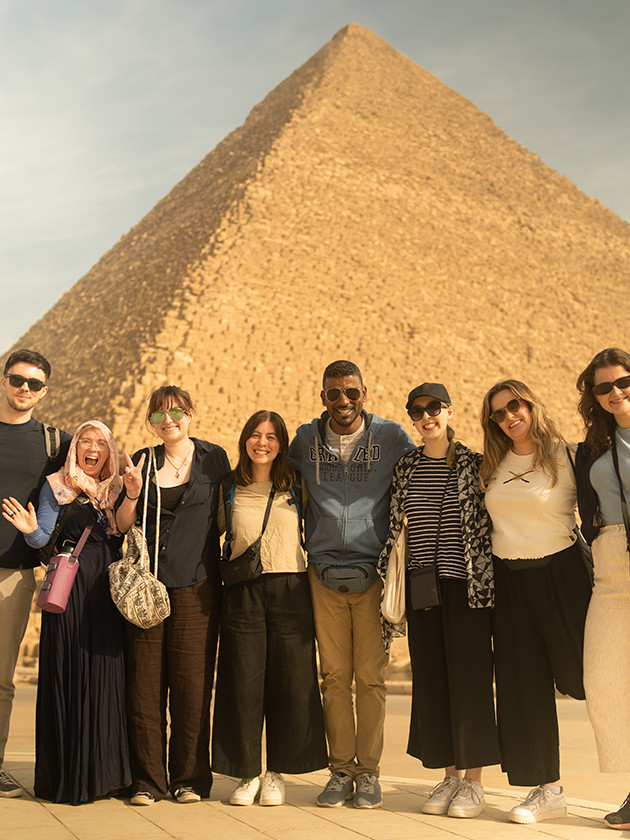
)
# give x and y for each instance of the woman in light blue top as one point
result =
(603, 481)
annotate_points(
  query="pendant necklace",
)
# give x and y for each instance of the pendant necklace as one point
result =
(176, 468)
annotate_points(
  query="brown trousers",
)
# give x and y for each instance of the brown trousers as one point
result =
(172, 666)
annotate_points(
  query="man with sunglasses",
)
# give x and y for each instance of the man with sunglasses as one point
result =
(24, 463)
(347, 458)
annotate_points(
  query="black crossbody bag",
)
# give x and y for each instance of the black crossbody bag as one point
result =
(248, 565)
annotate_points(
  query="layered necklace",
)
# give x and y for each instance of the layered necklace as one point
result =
(179, 468)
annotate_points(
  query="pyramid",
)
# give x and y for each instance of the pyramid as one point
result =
(364, 210)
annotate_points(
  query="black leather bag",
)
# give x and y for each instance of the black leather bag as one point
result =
(424, 587)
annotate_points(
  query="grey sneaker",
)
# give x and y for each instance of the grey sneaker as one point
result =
(8, 788)
(541, 804)
(441, 796)
(469, 800)
(339, 788)
(368, 793)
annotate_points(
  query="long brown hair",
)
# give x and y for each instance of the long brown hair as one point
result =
(283, 476)
(544, 433)
(599, 423)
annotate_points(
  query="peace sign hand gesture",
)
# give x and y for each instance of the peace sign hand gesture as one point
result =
(132, 477)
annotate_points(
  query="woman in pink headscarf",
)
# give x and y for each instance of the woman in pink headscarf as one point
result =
(81, 728)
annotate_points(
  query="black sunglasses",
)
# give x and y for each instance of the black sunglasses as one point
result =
(333, 394)
(606, 387)
(513, 406)
(33, 384)
(417, 412)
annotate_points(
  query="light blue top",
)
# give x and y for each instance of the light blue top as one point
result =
(604, 479)
(48, 511)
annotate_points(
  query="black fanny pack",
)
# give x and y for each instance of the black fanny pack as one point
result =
(346, 579)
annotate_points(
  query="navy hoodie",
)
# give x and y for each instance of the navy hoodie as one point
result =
(347, 514)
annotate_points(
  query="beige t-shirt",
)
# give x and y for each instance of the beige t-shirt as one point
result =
(280, 549)
(530, 518)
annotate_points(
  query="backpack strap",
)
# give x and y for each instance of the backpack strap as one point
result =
(52, 438)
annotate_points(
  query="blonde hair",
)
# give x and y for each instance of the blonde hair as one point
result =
(543, 434)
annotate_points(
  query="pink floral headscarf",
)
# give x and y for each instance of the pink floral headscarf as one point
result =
(70, 480)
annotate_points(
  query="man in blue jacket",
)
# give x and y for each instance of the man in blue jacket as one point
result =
(347, 458)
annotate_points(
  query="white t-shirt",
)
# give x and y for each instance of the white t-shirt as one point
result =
(530, 518)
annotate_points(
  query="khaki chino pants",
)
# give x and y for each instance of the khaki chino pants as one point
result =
(16, 593)
(348, 631)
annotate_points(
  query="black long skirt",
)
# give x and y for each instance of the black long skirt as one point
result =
(81, 728)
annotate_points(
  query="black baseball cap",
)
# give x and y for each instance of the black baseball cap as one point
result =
(428, 389)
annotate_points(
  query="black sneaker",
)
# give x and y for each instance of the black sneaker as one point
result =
(8, 788)
(620, 819)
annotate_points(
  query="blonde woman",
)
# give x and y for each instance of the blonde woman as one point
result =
(542, 589)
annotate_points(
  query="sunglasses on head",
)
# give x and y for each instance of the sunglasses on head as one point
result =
(417, 412)
(513, 406)
(333, 394)
(158, 417)
(17, 381)
(606, 387)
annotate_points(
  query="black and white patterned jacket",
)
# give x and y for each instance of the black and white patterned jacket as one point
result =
(476, 528)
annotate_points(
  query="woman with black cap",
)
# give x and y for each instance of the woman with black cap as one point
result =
(449, 593)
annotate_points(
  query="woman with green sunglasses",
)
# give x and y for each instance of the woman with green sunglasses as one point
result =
(175, 659)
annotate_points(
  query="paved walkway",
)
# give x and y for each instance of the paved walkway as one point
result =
(300, 819)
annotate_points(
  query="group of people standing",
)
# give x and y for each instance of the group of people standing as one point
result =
(494, 535)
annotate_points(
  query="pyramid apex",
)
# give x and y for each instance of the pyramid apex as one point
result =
(355, 30)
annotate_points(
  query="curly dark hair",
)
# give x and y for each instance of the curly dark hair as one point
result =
(598, 423)
(283, 476)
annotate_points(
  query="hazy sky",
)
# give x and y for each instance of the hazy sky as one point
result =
(105, 106)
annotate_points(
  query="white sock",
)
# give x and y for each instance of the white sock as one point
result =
(554, 788)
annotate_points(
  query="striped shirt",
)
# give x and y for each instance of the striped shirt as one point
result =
(425, 493)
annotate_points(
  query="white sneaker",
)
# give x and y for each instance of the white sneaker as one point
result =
(441, 796)
(245, 792)
(272, 791)
(541, 804)
(469, 800)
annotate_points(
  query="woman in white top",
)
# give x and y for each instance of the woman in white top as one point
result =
(542, 589)
(605, 408)
(266, 669)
